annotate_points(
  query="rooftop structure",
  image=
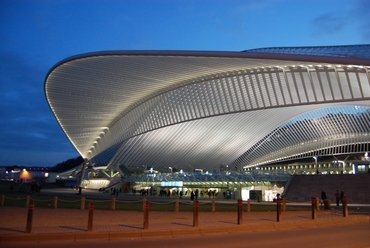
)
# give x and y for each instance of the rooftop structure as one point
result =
(188, 110)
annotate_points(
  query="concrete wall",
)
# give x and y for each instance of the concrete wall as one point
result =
(355, 187)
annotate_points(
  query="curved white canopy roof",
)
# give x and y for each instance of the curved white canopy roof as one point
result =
(196, 109)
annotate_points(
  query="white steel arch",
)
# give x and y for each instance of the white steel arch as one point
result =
(166, 108)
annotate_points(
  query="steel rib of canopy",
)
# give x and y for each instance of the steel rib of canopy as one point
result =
(200, 109)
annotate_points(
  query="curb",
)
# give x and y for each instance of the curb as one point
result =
(182, 232)
(56, 236)
(208, 230)
(120, 235)
(285, 225)
(153, 233)
(238, 229)
(262, 227)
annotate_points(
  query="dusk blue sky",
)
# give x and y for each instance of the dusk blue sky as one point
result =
(37, 34)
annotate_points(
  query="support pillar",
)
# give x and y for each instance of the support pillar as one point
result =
(31, 207)
(278, 209)
(177, 205)
(91, 214)
(344, 204)
(240, 212)
(314, 208)
(146, 215)
(84, 165)
(195, 213)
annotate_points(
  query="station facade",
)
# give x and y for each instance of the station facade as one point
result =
(230, 115)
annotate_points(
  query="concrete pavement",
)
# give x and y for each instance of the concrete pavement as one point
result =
(72, 224)
(69, 224)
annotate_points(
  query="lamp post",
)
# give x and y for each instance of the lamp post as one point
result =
(317, 170)
(315, 157)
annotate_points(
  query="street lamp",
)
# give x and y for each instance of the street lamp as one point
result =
(317, 170)
(315, 157)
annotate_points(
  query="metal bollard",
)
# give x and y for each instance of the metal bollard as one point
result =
(195, 213)
(55, 202)
(314, 207)
(345, 208)
(177, 205)
(317, 203)
(31, 207)
(91, 214)
(144, 203)
(113, 204)
(27, 200)
(240, 211)
(146, 215)
(278, 209)
(82, 203)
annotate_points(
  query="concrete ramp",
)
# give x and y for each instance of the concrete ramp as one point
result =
(355, 187)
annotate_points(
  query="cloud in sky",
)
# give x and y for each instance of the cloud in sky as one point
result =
(329, 24)
(350, 19)
(35, 35)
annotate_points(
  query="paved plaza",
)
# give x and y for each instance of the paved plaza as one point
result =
(14, 220)
(72, 224)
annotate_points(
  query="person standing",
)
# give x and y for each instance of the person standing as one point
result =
(337, 197)
(196, 194)
(323, 197)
